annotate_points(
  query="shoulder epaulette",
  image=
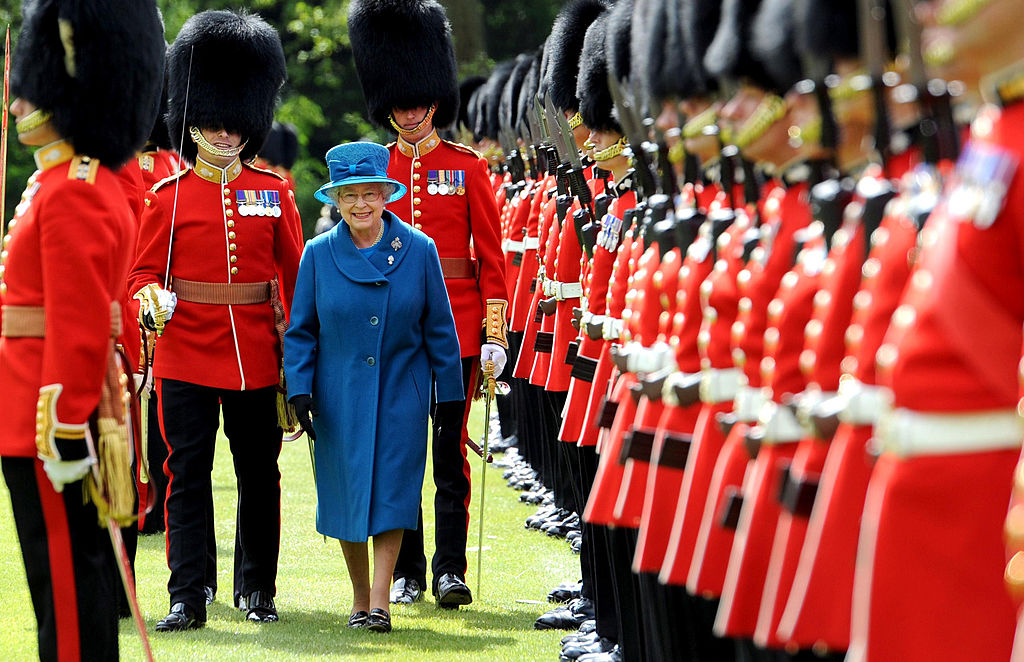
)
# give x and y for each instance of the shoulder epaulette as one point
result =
(147, 163)
(83, 169)
(167, 180)
(265, 171)
(463, 148)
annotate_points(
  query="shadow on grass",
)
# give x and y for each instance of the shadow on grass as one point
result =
(323, 632)
(498, 618)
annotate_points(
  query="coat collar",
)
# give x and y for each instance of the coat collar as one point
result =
(395, 244)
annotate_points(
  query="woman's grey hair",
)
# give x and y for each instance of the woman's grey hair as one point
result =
(386, 189)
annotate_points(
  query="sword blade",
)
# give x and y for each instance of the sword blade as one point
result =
(4, 126)
(488, 398)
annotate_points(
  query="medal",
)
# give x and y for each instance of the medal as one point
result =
(442, 188)
(460, 182)
(432, 182)
(242, 200)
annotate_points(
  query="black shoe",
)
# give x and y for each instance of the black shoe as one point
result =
(211, 594)
(182, 617)
(566, 618)
(358, 619)
(565, 592)
(577, 639)
(405, 591)
(260, 607)
(574, 652)
(451, 591)
(378, 621)
(614, 655)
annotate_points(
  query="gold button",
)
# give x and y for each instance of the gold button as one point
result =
(229, 212)
(234, 270)
(1014, 574)
(227, 202)
(417, 213)
(7, 238)
(234, 258)
(3, 288)
(3, 254)
(416, 201)
(10, 226)
(1014, 526)
(416, 164)
(416, 188)
(417, 226)
(231, 224)
(232, 247)
(231, 235)
(227, 191)
(416, 176)
(148, 202)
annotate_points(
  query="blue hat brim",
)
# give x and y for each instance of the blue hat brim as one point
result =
(400, 188)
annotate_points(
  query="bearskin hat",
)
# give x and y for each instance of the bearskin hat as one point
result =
(730, 55)
(773, 36)
(97, 66)
(159, 137)
(674, 66)
(491, 105)
(475, 112)
(564, 47)
(508, 112)
(281, 147)
(224, 70)
(595, 99)
(529, 91)
(404, 58)
(467, 88)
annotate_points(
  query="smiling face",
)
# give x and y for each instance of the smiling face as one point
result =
(361, 205)
(221, 139)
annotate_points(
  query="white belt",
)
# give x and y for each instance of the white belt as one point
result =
(748, 403)
(809, 403)
(512, 246)
(909, 433)
(720, 384)
(643, 360)
(585, 319)
(862, 403)
(548, 287)
(612, 328)
(668, 392)
(563, 291)
(531, 243)
(780, 424)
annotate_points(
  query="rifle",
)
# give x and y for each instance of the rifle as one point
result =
(633, 128)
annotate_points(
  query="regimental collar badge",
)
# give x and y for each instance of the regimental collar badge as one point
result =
(396, 243)
(391, 259)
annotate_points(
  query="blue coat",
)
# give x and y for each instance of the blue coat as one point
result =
(368, 339)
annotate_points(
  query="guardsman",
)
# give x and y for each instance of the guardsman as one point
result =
(279, 151)
(221, 349)
(931, 541)
(406, 64)
(62, 284)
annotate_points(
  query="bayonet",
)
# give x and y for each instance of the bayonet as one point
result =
(635, 135)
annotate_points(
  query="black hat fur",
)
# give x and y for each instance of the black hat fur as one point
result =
(492, 97)
(281, 147)
(730, 55)
(404, 57)
(467, 88)
(564, 47)
(107, 106)
(508, 112)
(592, 84)
(529, 91)
(237, 68)
(773, 35)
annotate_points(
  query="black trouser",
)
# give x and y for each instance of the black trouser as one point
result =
(451, 500)
(190, 419)
(66, 555)
(630, 608)
(156, 450)
(709, 645)
(595, 546)
(507, 404)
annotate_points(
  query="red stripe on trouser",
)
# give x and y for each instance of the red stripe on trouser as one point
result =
(62, 569)
(158, 384)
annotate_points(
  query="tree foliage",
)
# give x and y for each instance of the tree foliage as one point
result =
(322, 97)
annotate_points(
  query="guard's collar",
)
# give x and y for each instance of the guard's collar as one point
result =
(212, 173)
(54, 154)
(421, 148)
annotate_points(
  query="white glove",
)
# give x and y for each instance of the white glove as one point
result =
(496, 353)
(156, 306)
(62, 472)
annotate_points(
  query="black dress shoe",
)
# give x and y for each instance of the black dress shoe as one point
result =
(405, 591)
(577, 639)
(182, 617)
(260, 607)
(378, 621)
(358, 619)
(211, 594)
(614, 655)
(574, 652)
(451, 591)
(565, 592)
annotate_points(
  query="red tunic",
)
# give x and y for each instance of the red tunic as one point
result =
(953, 346)
(462, 226)
(231, 347)
(68, 250)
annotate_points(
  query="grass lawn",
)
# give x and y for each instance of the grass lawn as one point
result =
(313, 592)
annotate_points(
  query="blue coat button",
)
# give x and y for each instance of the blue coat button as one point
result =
(374, 321)
(370, 360)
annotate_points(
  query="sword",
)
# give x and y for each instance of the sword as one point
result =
(488, 370)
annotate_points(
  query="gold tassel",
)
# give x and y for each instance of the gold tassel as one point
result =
(287, 419)
(115, 495)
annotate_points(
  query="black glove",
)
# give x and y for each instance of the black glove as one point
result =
(448, 416)
(305, 411)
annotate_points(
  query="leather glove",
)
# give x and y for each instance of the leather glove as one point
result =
(496, 353)
(62, 472)
(305, 411)
(156, 306)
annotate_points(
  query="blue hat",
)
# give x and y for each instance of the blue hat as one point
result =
(358, 163)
